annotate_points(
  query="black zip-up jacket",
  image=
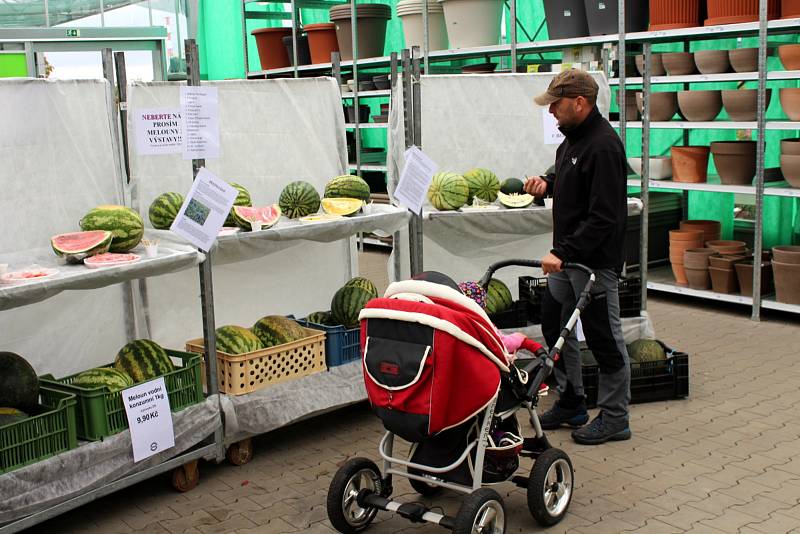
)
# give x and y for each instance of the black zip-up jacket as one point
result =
(590, 195)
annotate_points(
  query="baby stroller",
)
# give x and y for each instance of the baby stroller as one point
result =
(438, 376)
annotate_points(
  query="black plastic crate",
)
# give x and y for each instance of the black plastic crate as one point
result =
(630, 296)
(650, 381)
(514, 317)
(531, 291)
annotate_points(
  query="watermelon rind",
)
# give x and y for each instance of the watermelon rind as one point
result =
(75, 247)
(242, 199)
(9, 416)
(347, 186)
(483, 184)
(19, 385)
(512, 185)
(276, 330)
(342, 206)
(298, 199)
(126, 225)
(347, 303)
(448, 191)
(515, 200)
(244, 220)
(143, 360)
(498, 297)
(232, 339)
(164, 209)
(108, 377)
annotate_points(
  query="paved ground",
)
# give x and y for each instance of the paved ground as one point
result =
(725, 460)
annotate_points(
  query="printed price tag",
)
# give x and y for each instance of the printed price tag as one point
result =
(149, 418)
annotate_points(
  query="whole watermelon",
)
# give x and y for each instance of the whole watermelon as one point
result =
(242, 199)
(448, 191)
(108, 377)
(299, 199)
(347, 303)
(483, 184)
(365, 283)
(164, 209)
(498, 297)
(512, 185)
(19, 385)
(9, 416)
(232, 339)
(276, 330)
(143, 360)
(320, 317)
(646, 350)
(126, 225)
(348, 186)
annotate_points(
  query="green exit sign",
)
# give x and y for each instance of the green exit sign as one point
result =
(73, 33)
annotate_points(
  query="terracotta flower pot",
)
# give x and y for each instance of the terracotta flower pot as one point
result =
(679, 272)
(656, 65)
(271, 52)
(790, 102)
(744, 274)
(790, 167)
(744, 59)
(663, 105)
(735, 161)
(690, 164)
(677, 250)
(631, 109)
(710, 229)
(685, 235)
(786, 254)
(741, 103)
(723, 280)
(700, 105)
(738, 11)
(322, 41)
(790, 54)
(697, 278)
(671, 14)
(697, 258)
(727, 246)
(790, 9)
(790, 146)
(724, 262)
(712, 61)
(678, 63)
(787, 282)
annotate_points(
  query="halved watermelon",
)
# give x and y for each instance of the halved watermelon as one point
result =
(342, 206)
(243, 216)
(76, 246)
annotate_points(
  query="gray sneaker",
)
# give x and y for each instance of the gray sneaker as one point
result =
(598, 431)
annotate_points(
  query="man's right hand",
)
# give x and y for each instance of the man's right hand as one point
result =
(535, 186)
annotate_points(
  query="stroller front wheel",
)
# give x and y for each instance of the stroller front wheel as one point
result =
(482, 512)
(344, 512)
(550, 487)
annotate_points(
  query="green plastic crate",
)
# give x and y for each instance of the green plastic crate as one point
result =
(102, 413)
(44, 434)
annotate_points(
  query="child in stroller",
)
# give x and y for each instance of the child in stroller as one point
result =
(439, 376)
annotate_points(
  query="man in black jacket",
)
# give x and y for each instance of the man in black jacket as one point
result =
(589, 215)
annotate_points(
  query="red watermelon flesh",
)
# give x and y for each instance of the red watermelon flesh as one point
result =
(75, 246)
(267, 215)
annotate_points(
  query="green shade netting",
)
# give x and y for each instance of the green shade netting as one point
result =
(221, 54)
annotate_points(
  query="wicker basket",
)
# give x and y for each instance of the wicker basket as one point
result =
(239, 374)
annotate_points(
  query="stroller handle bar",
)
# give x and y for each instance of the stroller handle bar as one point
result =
(484, 282)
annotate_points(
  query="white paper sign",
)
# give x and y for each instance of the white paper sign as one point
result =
(552, 135)
(415, 179)
(159, 131)
(149, 418)
(200, 111)
(205, 209)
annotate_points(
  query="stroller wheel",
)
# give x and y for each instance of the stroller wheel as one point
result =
(344, 512)
(424, 489)
(550, 487)
(482, 512)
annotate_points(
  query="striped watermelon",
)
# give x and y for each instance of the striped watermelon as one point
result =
(109, 377)
(75, 247)
(164, 209)
(448, 191)
(320, 317)
(242, 199)
(347, 304)
(299, 199)
(126, 225)
(143, 360)
(364, 283)
(498, 297)
(512, 185)
(233, 339)
(348, 186)
(276, 330)
(19, 385)
(483, 184)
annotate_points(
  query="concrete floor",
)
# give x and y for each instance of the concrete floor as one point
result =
(725, 460)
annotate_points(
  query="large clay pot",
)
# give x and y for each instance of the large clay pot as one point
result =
(710, 229)
(663, 105)
(656, 65)
(735, 161)
(790, 102)
(712, 61)
(678, 63)
(786, 254)
(271, 52)
(744, 59)
(685, 235)
(410, 12)
(738, 11)
(741, 104)
(700, 105)
(321, 41)
(697, 258)
(671, 14)
(631, 109)
(724, 262)
(372, 19)
(790, 9)
(790, 167)
(790, 146)
(790, 54)
(787, 282)
(697, 278)
(474, 22)
(727, 246)
(689, 164)
(744, 274)
(723, 280)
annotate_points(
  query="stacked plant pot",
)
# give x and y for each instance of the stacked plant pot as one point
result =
(742, 104)
(790, 161)
(738, 11)
(695, 260)
(786, 270)
(371, 18)
(744, 59)
(679, 242)
(411, 13)
(700, 105)
(663, 105)
(672, 14)
(790, 54)
(790, 102)
(721, 268)
(744, 273)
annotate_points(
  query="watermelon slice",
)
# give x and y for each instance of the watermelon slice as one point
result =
(267, 215)
(110, 259)
(77, 246)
